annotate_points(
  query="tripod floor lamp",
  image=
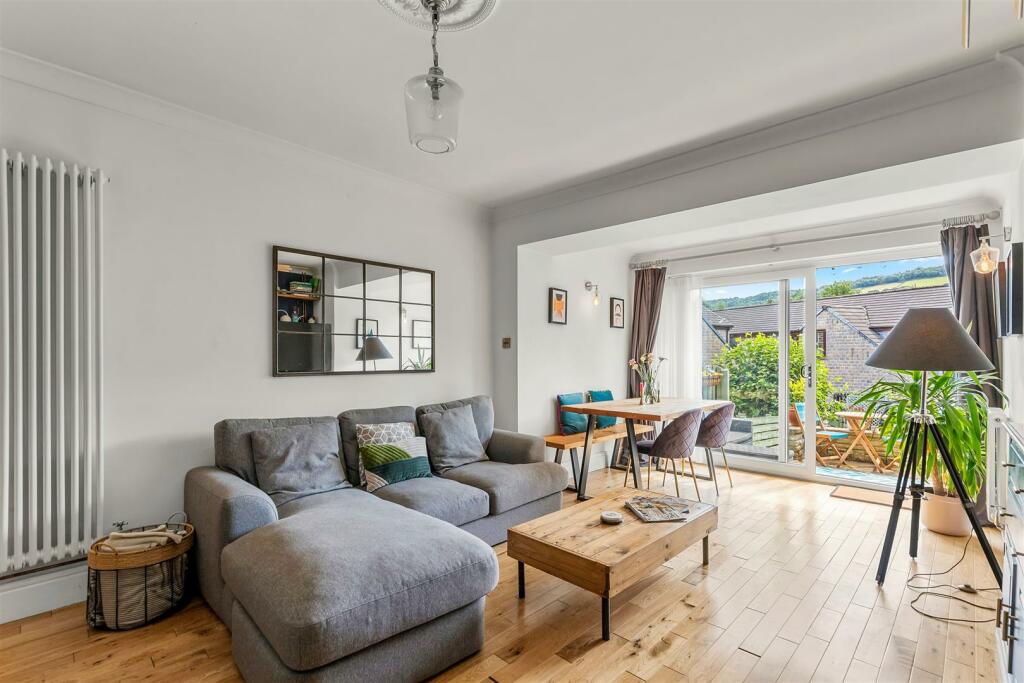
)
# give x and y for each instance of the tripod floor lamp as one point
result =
(928, 339)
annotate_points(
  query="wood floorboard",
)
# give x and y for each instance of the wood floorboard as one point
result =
(789, 595)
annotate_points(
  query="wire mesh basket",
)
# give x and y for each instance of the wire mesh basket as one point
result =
(130, 589)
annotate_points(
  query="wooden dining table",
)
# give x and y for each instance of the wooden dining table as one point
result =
(630, 410)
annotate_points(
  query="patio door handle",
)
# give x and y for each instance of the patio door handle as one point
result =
(807, 372)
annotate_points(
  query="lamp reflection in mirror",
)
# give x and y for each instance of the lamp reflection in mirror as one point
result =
(373, 350)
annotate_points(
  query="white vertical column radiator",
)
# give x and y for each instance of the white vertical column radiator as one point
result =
(51, 389)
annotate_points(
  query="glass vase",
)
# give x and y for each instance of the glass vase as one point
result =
(649, 393)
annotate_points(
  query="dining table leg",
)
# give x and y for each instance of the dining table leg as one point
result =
(588, 443)
(633, 455)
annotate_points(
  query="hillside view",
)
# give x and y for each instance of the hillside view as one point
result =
(911, 278)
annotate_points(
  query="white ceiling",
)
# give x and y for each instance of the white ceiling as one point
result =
(557, 92)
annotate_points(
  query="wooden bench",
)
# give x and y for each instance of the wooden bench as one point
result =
(571, 442)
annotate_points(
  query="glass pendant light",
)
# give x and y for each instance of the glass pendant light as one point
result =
(985, 258)
(432, 100)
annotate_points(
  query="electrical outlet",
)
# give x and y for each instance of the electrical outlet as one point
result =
(506, 342)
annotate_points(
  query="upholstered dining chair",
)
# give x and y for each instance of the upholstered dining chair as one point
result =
(675, 442)
(714, 433)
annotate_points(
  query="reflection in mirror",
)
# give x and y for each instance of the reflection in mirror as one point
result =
(341, 315)
(299, 353)
(385, 315)
(417, 287)
(343, 278)
(379, 353)
(414, 313)
(381, 283)
(414, 359)
(345, 356)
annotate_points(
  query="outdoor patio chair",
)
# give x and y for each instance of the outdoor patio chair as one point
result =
(823, 438)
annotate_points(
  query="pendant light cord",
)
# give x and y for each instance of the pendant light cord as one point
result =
(434, 17)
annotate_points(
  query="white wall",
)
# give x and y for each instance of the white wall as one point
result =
(972, 108)
(195, 201)
(584, 354)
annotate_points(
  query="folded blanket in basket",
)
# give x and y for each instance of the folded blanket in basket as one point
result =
(136, 541)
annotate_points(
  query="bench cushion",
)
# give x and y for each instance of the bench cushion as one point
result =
(444, 499)
(336, 577)
(571, 423)
(510, 486)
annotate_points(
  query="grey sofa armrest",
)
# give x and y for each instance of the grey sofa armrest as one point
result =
(514, 448)
(222, 507)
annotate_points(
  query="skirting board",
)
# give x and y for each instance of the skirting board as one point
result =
(41, 592)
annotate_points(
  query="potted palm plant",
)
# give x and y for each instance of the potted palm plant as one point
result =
(958, 403)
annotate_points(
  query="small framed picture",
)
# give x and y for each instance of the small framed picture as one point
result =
(369, 329)
(421, 334)
(557, 306)
(617, 312)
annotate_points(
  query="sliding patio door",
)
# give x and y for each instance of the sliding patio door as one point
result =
(755, 353)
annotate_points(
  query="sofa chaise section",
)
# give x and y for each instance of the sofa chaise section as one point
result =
(338, 577)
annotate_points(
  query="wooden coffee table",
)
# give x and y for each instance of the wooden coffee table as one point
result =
(575, 546)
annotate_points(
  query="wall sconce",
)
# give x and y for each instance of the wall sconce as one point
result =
(590, 286)
(985, 258)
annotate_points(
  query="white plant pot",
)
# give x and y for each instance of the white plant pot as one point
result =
(945, 515)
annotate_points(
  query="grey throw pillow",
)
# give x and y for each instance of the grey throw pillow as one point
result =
(452, 439)
(292, 462)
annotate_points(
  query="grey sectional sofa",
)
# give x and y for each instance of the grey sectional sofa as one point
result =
(347, 585)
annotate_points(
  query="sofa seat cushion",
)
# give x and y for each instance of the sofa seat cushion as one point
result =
(443, 499)
(334, 578)
(510, 486)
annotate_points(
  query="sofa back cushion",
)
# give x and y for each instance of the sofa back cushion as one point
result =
(452, 439)
(232, 441)
(349, 440)
(483, 414)
(293, 462)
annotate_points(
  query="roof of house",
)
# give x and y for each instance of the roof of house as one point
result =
(869, 312)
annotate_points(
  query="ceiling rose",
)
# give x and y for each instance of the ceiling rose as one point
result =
(456, 15)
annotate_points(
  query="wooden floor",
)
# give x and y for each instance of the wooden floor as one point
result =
(789, 595)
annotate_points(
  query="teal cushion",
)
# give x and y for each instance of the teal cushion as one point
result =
(572, 423)
(603, 395)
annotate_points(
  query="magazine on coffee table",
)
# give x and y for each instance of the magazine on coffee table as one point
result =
(659, 509)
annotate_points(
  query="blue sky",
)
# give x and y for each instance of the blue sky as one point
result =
(826, 276)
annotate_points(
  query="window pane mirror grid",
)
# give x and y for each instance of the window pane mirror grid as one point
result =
(355, 300)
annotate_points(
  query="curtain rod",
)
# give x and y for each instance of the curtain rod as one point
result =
(991, 215)
(958, 221)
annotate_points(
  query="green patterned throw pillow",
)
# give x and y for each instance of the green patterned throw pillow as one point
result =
(387, 463)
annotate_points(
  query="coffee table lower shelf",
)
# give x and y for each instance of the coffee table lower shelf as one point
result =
(573, 545)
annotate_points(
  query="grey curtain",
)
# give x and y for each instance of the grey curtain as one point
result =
(973, 305)
(648, 288)
(973, 294)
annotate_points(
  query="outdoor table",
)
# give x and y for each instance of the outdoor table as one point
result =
(859, 424)
(630, 410)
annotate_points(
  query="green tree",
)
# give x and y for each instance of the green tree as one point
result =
(753, 365)
(837, 288)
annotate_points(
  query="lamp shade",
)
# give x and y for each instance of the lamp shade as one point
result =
(929, 339)
(373, 349)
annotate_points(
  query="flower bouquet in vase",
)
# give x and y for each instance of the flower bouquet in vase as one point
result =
(647, 369)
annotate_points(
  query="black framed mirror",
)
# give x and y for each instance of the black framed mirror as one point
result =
(338, 315)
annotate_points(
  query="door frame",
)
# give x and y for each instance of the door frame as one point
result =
(782, 276)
